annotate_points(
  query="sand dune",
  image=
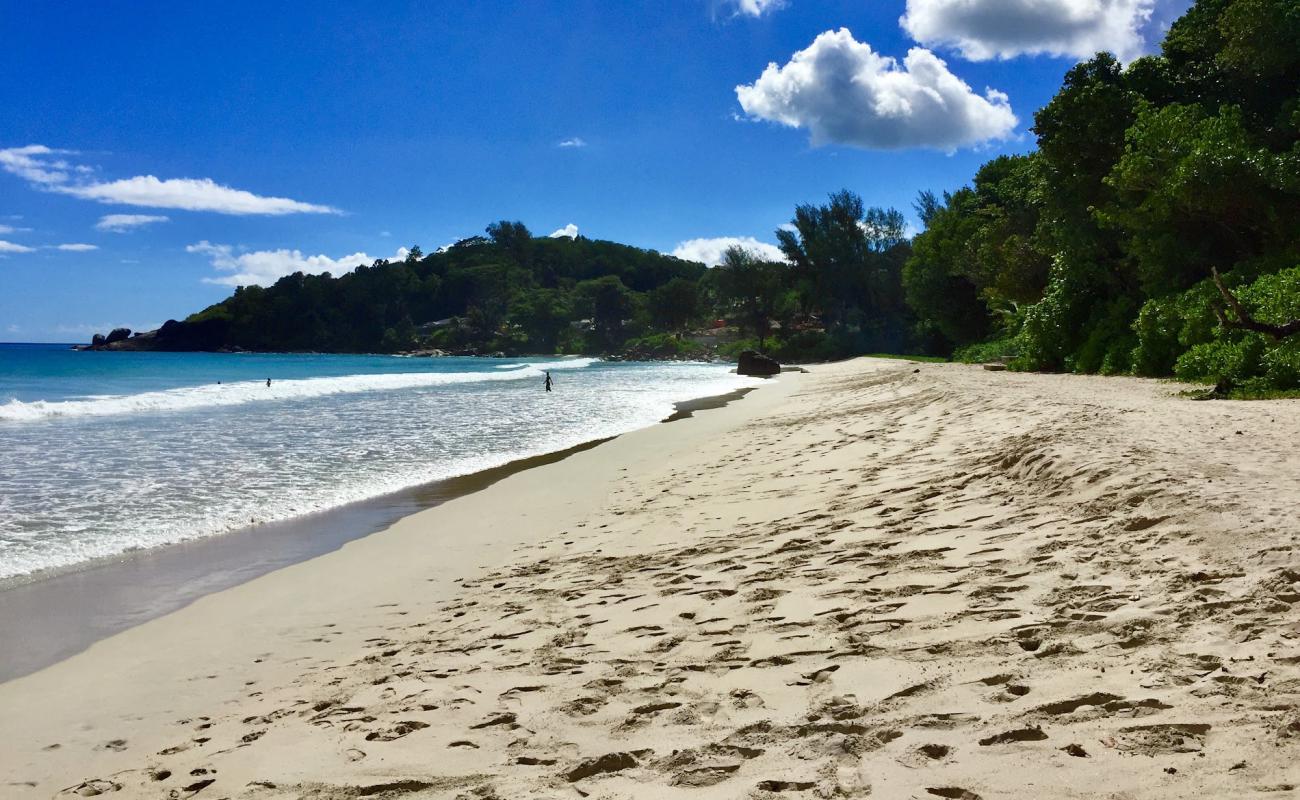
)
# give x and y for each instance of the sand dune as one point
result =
(876, 579)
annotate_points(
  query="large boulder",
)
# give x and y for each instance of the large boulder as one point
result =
(117, 335)
(754, 363)
(97, 340)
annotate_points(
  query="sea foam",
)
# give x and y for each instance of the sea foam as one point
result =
(241, 392)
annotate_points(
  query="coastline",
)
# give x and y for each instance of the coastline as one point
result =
(874, 579)
(49, 616)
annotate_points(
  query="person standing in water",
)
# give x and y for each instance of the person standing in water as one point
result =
(548, 380)
(268, 381)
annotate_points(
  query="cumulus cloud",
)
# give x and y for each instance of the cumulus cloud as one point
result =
(985, 29)
(11, 247)
(845, 93)
(569, 231)
(574, 141)
(49, 169)
(709, 251)
(121, 223)
(77, 248)
(265, 267)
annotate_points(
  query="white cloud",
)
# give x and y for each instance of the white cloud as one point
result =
(265, 267)
(984, 29)
(844, 93)
(45, 168)
(38, 164)
(189, 194)
(750, 8)
(569, 231)
(10, 247)
(77, 248)
(709, 251)
(121, 223)
(12, 229)
(574, 141)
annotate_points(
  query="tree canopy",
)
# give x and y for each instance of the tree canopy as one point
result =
(1095, 253)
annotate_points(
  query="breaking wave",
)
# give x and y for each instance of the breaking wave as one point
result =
(243, 392)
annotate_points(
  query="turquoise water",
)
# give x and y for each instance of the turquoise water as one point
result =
(104, 452)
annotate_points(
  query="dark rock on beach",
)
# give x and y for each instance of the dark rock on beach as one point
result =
(754, 363)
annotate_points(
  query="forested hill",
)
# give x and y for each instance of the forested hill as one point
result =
(507, 291)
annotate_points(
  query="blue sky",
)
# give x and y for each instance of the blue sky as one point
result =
(282, 135)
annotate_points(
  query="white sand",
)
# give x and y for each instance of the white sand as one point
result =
(860, 581)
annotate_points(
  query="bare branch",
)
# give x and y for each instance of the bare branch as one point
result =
(1244, 320)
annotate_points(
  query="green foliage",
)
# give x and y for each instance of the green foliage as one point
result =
(979, 258)
(663, 346)
(847, 263)
(1004, 349)
(1255, 362)
(542, 315)
(675, 304)
(1146, 178)
(610, 305)
(753, 290)
(509, 292)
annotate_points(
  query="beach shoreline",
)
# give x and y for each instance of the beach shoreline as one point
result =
(48, 616)
(877, 578)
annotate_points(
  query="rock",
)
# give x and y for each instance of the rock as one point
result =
(117, 335)
(752, 363)
(97, 340)
(995, 367)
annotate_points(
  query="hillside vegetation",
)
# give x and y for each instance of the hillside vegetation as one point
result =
(510, 292)
(1096, 252)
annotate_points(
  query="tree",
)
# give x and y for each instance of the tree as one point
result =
(944, 297)
(514, 238)
(928, 204)
(543, 314)
(829, 248)
(1243, 320)
(752, 286)
(675, 304)
(609, 303)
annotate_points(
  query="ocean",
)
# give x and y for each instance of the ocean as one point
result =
(104, 453)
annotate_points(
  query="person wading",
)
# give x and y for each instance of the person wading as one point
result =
(547, 384)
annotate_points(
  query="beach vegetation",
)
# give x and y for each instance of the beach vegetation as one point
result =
(1096, 252)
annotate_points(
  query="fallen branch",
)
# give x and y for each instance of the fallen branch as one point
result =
(1244, 320)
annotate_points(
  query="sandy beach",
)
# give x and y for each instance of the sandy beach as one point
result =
(876, 578)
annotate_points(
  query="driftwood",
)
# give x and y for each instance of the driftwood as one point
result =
(1244, 320)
